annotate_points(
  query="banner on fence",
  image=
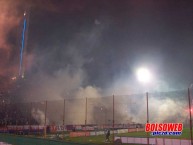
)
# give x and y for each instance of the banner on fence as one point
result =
(76, 134)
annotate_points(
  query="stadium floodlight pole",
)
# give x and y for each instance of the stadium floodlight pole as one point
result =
(190, 111)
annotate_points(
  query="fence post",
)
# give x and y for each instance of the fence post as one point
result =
(63, 118)
(6, 112)
(113, 116)
(45, 119)
(85, 116)
(147, 116)
(190, 111)
(30, 118)
(86, 112)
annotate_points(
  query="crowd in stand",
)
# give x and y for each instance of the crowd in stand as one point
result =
(11, 115)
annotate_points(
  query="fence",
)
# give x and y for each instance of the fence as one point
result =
(116, 111)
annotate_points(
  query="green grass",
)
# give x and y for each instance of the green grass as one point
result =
(23, 140)
(96, 140)
(185, 134)
(101, 138)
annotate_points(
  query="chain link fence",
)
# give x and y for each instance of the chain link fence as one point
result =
(99, 113)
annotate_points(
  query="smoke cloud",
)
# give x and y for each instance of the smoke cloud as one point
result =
(39, 116)
(58, 72)
(163, 107)
(9, 22)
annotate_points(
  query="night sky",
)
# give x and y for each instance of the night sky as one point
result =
(75, 46)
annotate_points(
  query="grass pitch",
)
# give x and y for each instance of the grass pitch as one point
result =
(100, 139)
(185, 134)
(89, 140)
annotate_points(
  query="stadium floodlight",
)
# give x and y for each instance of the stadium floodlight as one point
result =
(144, 75)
